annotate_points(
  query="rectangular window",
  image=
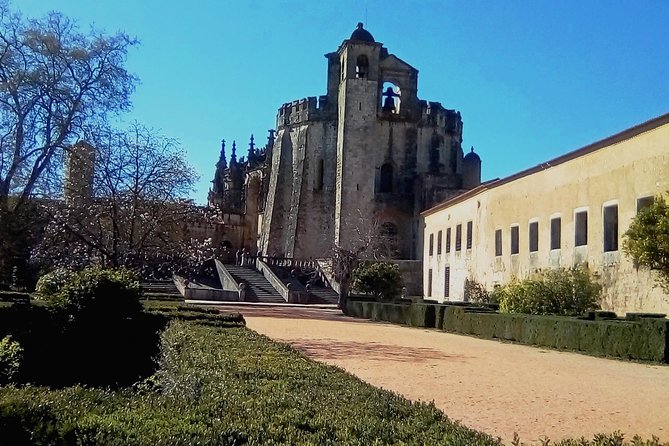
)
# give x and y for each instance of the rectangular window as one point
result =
(431, 249)
(429, 283)
(514, 239)
(448, 240)
(498, 242)
(319, 175)
(439, 243)
(643, 202)
(556, 232)
(611, 228)
(470, 228)
(447, 281)
(534, 236)
(458, 237)
(581, 228)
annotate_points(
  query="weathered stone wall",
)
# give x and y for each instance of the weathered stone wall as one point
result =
(310, 208)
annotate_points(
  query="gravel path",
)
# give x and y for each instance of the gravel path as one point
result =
(495, 387)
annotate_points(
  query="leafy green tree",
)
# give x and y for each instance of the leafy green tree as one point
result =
(647, 239)
(383, 280)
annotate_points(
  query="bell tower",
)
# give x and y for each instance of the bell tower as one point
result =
(358, 99)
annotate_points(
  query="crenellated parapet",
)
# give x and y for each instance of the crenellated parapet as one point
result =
(433, 113)
(305, 110)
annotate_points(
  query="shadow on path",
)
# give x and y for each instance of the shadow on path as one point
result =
(332, 349)
(290, 313)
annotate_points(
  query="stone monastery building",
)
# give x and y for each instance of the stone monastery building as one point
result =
(570, 210)
(364, 159)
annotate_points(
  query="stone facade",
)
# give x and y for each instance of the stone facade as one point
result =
(570, 210)
(364, 159)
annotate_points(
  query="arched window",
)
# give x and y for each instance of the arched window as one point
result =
(386, 178)
(361, 67)
(391, 96)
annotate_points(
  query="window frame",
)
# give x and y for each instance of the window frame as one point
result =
(514, 248)
(499, 250)
(458, 237)
(581, 236)
(610, 229)
(533, 235)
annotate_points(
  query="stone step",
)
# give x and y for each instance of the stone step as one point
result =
(258, 289)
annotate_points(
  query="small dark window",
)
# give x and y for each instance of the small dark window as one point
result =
(429, 283)
(319, 175)
(470, 228)
(431, 250)
(643, 202)
(611, 228)
(439, 243)
(448, 240)
(534, 236)
(386, 179)
(556, 233)
(458, 237)
(498, 242)
(581, 228)
(514, 240)
(447, 281)
(361, 67)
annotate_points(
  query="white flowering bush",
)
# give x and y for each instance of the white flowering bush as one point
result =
(50, 284)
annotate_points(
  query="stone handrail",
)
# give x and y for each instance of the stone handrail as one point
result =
(291, 293)
(228, 283)
(290, 262)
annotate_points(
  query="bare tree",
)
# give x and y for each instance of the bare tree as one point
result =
(370, 240)
(138, 211)
(54, 80)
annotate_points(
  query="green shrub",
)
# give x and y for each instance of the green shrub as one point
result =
(476, 292)
(647, 240)
(380, 279)
(561, 291)
(99, 294)
(11, 355)
(50, 284)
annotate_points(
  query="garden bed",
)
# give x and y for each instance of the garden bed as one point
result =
(219, 383)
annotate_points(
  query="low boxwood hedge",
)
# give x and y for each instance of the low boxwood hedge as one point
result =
(640, 336)
(228, 386)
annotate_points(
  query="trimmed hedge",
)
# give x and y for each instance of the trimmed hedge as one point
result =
(640, 337)
(228, 386)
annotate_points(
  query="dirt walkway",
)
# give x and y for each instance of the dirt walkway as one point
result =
(495, 387)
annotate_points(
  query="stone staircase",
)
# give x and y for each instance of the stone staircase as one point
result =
(258, 289)
(161, 290)
(323, 295)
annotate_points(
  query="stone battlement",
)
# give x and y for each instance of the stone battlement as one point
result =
(303, 110)
(435, 113)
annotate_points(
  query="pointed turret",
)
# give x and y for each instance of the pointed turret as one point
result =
(222, 163)
(270, 138)
(252, 146)
(233, 158)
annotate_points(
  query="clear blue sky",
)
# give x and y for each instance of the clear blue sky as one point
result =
(532, 79)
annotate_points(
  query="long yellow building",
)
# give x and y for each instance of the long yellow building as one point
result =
(571, 210)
